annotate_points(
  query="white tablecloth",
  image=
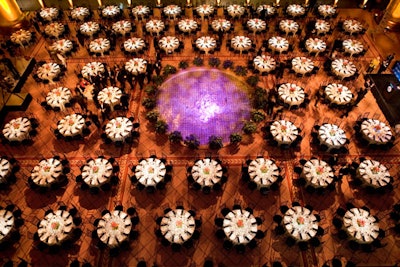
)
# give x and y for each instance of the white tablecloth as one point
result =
(315, 45)
(114, 228)
(6, 223)
(54, 29)
(207, 172)
(5, 169)
(140, 11)
(21, 37)
(134, 44)
(352, 26)
(48, 71)
(343, 68)
(235, 10)
(256, 25)
(80, 13)
(295, 10)
(291, 94)
(150, 172)
(332, 136)
(221, 24)
(58, 97)
(110, 11)
(361, 225)
(110, 95)
(49, 13)
(62, 46)
(136, 66)
(288, 25)
(122, 27)
(317, 173)
(89, 28)
(205, 10)
(55, 227)
(241, 43)
(71, 125)
(300, 223)
(326, 10)
(263, 172)
(99, 45)
(352, 46)
(240, 226)
(302, 65)
(270, 10)
(284, 132)
(172, 11)
(375, 131)
(97, 172)
(187, 25)
(17, 129)
(264, 63)
(177, 226)
(169, 43)
(322, 26)
(119, 128)
(206, 43)
(92, 69)
(338, 94)
(278, 43)
(373, 173)
(46, 172)
(155, 26)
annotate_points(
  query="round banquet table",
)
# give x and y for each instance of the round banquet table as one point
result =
(295, 10)
(284, 132)
(256, 25)
(240, 226)
(49, 13)
(235, 10)
(376, 132)
(373, 173)
(62, 46)
(326, 10)
(206, 43)
(300, 223)
(332, 136)
(110, 95)
(207, 172)
(302, 65)
(241, 43)
(150, 172)
(288, 25)
(136, 66)
(264, 63)
(89, 28)
(54, 29)
(71, 125)
(352, 26)
(140, 11)
(317, 173)
(338, 94)
(204, 10)
(352, 46)
(343, 68)
(6, 224)
(110, 11)
(17, 129)
(169, 44)
(80, 13)
(360, 225)
(47, 172)
(172, 11)
(122, 27)
(291, 94)
(119, 128)
(134, 44)
(91, 69)
(99, 45)
(21, 37)
(322, 26)
(5, 170)
(155, 26)
(187, 25)
(48, 71)
(58, 97)
(177, 226)
(221, 25)
(263, 172)
(96, 172)
(55, 227)
(315, 45)
(278, 43)
(114, 228)
(269, 10)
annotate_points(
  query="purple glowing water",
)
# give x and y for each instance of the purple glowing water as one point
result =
(204, 102)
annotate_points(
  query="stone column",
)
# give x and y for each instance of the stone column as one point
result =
(10, 12)
(391, 18)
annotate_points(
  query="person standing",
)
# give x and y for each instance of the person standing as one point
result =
(158, 67)
(149, 71)
(384, 66)
(140, 79)
(373, 64)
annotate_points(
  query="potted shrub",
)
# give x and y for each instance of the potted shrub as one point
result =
(152, 116)
(169, 69)
(253, 80)
(240, 71)
(214, 62)
(158, 80)
(149, 103)
(198, 61)
(151, 90)
(215, 142)
(175, 137)
(161, 127)
(227, 64)
(183, 64)
(259, 98)
(249, 127)
(257, 116)
(235, 138)
(192, 142)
